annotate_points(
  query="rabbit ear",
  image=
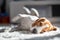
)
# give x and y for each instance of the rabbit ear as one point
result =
(27, 10)
(34, 11)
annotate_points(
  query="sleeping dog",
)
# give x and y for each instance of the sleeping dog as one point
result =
(26, 19)
(42, 25)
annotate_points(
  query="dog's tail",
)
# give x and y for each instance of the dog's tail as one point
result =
(34, 12)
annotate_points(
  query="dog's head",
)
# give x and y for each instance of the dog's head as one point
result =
(41, 22)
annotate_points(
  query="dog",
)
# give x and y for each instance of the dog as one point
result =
(44, 24)
(26, 19)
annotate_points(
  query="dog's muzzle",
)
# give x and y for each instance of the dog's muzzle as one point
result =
(35, 30)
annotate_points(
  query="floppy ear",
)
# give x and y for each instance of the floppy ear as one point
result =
(34, 12)
(37, 23)
(47, 22)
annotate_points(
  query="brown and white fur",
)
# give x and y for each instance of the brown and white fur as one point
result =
(26, 19)
(45, 25)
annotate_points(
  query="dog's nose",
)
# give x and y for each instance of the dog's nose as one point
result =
(34, 31)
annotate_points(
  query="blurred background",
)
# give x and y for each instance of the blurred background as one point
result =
(46, 8)
(10, 8)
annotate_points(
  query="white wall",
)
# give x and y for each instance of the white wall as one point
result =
(8, 1)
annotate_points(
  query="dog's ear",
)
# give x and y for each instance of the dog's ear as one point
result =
(42, 20)
(35, 23)
(38, 22)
